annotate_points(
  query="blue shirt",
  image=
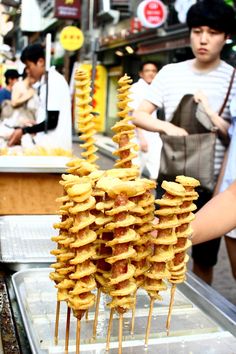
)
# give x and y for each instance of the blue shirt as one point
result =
(4, 95)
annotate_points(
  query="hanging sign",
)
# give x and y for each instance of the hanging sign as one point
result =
(68, 9)
(71, 38)
(152, 13)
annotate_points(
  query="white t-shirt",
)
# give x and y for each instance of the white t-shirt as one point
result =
(151, 158)
(58, 100)
(174, 81)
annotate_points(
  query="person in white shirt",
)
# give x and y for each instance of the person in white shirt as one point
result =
(210, 24)
(54, 124)
(150, 143)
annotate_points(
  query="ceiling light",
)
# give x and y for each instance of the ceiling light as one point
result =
(119, 53)
(229, 41)
(129, 49)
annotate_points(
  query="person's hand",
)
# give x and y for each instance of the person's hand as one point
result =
(200, 97)
(15, 138)
(29, 93)
(143, 144)
(171, 129)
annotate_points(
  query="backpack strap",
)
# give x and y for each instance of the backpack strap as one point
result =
(227, 93)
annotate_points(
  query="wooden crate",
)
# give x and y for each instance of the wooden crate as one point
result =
(29, 193)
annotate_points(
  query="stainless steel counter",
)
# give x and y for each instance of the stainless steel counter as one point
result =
(202, 320)
(25, 240)
(33, 164)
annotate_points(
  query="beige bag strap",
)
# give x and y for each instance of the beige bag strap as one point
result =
(228, 92)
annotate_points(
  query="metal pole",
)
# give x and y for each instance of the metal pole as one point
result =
(47, 67)
(94, 63)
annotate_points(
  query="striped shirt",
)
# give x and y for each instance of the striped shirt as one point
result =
(174, 81)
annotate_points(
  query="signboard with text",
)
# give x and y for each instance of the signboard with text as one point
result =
(71, 38)
(152, 13)
(68, 9)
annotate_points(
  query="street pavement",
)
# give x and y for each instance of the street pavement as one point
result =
(223, 280)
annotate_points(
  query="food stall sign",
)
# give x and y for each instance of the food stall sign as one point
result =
(69, 9)
(152, 13)
(71, 38)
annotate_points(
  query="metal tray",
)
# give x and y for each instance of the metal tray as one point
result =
(27, 239)
(192, 330)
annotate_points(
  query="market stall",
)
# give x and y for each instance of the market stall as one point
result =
(108, 216)
(201, 318)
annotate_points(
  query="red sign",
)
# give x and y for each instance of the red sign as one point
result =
(152, 13)
(69, 9)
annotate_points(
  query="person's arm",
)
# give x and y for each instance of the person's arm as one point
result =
(21, 94)
(142, 141)
(142, 118)
(217, 217)
(52, 124)
(218, 121)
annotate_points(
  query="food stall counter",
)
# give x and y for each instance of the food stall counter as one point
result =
(30, 184)
(202, 320)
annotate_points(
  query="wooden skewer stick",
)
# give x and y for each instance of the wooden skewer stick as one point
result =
(109, 329)
(86, 315)
(95, 322)
(120, 333)
(133, 314)
(172, 296)
(67, 329)
(78, 337)
(149, 321)
(57, 323)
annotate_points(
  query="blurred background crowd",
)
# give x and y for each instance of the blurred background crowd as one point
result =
(113, 38)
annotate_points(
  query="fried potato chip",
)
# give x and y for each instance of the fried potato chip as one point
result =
(78, 189)
(187, 181)
(122, 172)
(173, 188)
(167, 211)
(83, 206)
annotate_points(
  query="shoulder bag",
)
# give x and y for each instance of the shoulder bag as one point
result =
(191, 155)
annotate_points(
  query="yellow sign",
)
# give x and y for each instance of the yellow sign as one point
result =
(71, 38)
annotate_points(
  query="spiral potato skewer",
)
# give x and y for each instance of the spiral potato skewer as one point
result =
(177, 267)
(122, 285)
(63, 254)
(85, 118)
(124, 129)
(162, 244)
(102, 252)
(145, 210)
(80, 298)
